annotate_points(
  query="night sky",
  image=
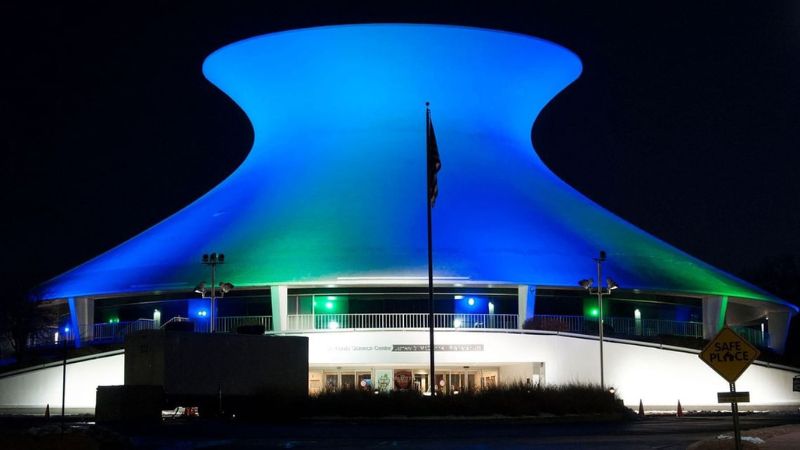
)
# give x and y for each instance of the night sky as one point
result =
(684, 122)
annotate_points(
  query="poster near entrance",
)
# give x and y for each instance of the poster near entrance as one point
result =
(403, 380)
(383, 380)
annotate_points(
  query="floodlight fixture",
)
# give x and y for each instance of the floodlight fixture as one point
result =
(611, 284)
(212, 259)
(201, 288)
(586, 284)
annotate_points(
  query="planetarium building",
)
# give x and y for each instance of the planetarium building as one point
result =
(323, 231)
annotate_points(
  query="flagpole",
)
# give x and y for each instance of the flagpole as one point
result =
(430, 174)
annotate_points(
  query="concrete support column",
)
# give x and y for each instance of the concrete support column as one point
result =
(526, 303)
(714, 310)
(778, 329)
(279, 296)
(81, 318)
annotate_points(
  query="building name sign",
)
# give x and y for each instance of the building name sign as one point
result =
(438, 348)
(408, 348)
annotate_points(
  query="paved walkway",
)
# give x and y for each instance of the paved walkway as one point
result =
(784, 437)
(788, 440)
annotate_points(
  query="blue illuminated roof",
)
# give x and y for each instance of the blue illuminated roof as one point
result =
(334, 184)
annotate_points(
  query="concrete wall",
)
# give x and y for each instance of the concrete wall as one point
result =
(38, 388)
(658, 377)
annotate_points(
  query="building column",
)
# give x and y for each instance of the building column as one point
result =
(778, 329)
(526, 303)
(279, 296)
(714, 310)
(81, 319)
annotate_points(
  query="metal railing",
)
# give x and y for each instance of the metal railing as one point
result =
(753, 336)
(653, 327)
(175, 320)
(399, 321)
(116, 331)
(631, 327)
(231, 323)
(623, 326)
(614, 326)
(98, 332)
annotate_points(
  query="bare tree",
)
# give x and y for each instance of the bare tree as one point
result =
(23, 320)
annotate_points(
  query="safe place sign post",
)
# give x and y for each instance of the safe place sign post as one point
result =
(730, 355)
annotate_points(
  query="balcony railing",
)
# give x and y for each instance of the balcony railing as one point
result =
(629, 328)
(403, 321)
(116, 331)
(622, 326)
(98, 332)
(231, 323)
(753, 336)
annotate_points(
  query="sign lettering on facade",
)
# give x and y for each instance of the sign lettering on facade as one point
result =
(438, 347)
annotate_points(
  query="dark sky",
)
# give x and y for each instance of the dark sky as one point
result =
(685, 121)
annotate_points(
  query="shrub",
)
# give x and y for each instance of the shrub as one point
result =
(508, 400)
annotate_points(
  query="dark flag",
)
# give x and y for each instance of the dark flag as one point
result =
(434, 163)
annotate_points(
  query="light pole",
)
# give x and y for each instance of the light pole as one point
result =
(212, 260)
(600, 291)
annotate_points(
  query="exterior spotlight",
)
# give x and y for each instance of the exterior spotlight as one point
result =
(201, 288)
(586, 284)
(212, 260)
(611, 284)
(225, 287)
(611, 390)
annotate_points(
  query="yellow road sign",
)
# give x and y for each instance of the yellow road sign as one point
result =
(729, 354)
